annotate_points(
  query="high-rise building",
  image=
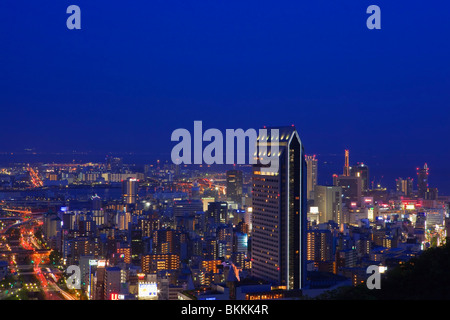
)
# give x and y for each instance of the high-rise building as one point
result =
(351, 182)
(130, 190)
(152, 263)
(404, 186)
(311, 175)
(123, 219)
(361, 170)
(351, 189)
(234, 186)
(279, 214)
(114, 277)
(431, 194)
(320, 245)
(166, 241)
(217, 212)
(335, 179)
(240, 242)
(86, 226)
(346, 172)
(422, 181)
(328, 200)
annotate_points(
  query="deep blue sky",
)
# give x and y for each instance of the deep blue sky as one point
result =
(140, 69)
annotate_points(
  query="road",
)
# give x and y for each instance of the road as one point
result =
(38, 257)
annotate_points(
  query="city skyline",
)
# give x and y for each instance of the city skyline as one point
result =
(197, 150)
(327, 165)
(174, 232)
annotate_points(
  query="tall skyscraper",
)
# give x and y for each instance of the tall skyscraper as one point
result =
(361, 170)
(422, 181)
(346, 172)
(328, 199)
(279, 212)
(130, 190)
(234, 186)
(404, 186)
(311, 175)
(351, 189)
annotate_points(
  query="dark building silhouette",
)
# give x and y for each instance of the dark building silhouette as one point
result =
(361, 170)
(217, 212)
(278, 247)
(422, 181)
(234, 186)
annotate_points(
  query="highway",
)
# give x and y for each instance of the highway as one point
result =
(29, 249)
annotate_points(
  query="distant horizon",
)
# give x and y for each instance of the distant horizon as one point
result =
(328, 165)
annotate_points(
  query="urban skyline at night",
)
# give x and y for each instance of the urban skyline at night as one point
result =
(238, 151)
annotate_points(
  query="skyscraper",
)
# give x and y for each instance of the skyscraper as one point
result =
(279, 211)
(422, 181)
(130, 190)
(234, 186)
(311, 176)
(328, 199)
(351, 189)
(361, 170)
(404, 186)
(346, 172)
(351, 181)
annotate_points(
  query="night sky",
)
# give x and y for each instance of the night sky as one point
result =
(137, 70)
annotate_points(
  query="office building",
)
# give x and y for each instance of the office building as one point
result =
(404, 186)
(278, 247)
(166, 241)
(328, 200)
(311, 175)
(187, 207)
(217, 212)
(422, 181)
(130, 190)
(351, 189)
(320, 245)
(152, 263)
(114, 277)
(361, 170)
(234, 186)
(431, 194)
